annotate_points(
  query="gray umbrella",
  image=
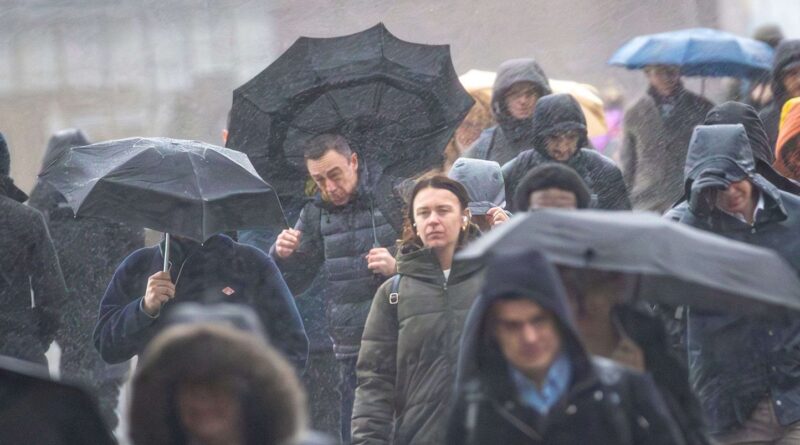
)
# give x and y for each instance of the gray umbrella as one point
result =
(677, 265)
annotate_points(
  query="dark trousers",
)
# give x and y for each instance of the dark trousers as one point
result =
(347, 392)
(321, 380)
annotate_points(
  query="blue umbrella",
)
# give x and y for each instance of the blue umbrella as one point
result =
(698, 51)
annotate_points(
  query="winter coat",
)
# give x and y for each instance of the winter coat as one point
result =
(786, 53)
(220, 270)
(603, 404)
(337, 239)
(88, 250)
(735, 361)
(654, 148)
(510, 136)
(32, 290)
(788, 138)
(409, 352)
(558, 113)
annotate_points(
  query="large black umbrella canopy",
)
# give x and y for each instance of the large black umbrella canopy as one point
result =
(186, 188)
(676, 264)
(397, 102)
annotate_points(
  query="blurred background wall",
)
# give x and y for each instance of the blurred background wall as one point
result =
(121, 68)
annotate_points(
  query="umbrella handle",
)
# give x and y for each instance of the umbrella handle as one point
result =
(166, 252)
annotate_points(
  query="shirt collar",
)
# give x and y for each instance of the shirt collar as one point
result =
(555, 385)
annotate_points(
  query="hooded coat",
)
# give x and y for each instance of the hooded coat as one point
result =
(32, 290)
(787, 143)
(510, 136)
(730, 113)
(787, 53)
(734, 361)
(409, 352)
(654, 148)
(603, 404)
(337, 239)
(219, 270)
(88, 250)
(558, 113)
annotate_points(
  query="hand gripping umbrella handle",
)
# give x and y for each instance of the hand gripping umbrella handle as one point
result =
(166, 252)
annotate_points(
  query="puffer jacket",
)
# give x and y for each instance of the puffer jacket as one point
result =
(735, 361)
(407, 365)
(510, 136)
(558, 113)
(336, 241)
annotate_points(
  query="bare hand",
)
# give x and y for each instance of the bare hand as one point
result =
(496, 216)
(379, 260)
(287, 242)
(159, 290)
(629, 354)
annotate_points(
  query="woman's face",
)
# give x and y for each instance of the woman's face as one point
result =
(209, 413)
(439, 217)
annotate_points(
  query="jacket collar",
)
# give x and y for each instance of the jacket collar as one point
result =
(10, 190)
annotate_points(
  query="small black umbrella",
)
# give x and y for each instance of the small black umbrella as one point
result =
(185, 188)
(677, 264)
(36, 409)
(397, 102)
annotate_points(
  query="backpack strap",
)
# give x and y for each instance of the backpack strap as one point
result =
(394, 291)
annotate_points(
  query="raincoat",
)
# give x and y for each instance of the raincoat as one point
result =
(32, 290)
(558, 113)
(736, 362)
(786, 161)
(409, 351)
(510, 136)
(787, 52)
(654, 148)
(220, 270)
(603, 404)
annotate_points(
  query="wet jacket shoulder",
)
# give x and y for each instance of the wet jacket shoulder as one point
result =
(28, 266)
(219, 271)
(654, 149)
(407, 363)
(337, 239)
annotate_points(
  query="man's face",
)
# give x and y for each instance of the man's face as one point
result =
(521, 100)
(663, 78)
(561, 146)
(528, 335)
(552, 198)
(737, 198)
(791, 81)
(336, 175)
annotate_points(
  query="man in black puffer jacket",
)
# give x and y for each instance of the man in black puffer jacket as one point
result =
(524, 376)
(346, 230)
(559, 134)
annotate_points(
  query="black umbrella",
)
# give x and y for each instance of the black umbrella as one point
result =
(397, 102)
(677, 265)
(36, 409)
(185, 188)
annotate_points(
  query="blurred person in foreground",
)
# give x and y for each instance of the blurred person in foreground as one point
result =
(407, 363)
(526, 378)
(209, 384)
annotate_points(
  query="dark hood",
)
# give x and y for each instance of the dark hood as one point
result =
(787, 53)
(9, 189)
(62, 141)
(739, 113)
(5, 157)
(719, 155)
(509, 73)
(554, 114)
(527, 275)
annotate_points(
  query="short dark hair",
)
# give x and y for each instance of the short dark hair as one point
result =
(317, 146)
(551, 175)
